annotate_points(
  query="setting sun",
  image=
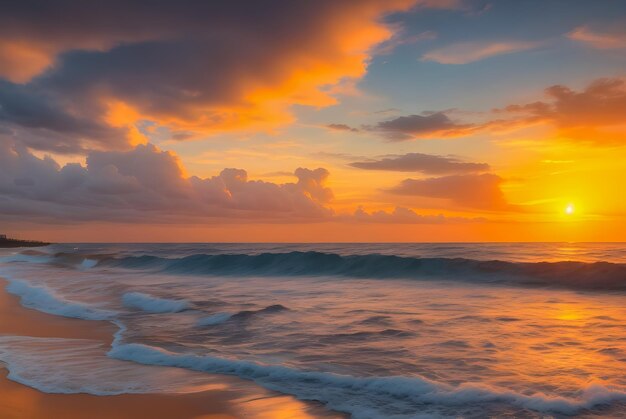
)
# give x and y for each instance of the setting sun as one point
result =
(569, 209)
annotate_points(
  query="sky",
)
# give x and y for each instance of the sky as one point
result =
(313, 120)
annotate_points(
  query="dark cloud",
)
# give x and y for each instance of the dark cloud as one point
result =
(36, 119)
(435, 124)
(425, 163)
(470, 191)
(91, 71)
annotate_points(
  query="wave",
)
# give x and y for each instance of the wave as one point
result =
(27, 256)
(219, 318)
(63, 259)
(43, 299)
(367, 397)
(151, 304)
(214, 319)
(88, 264)
(363, 336)
(576, 275)
(246, 314)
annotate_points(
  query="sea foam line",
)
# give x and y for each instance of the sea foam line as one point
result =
(335, 390)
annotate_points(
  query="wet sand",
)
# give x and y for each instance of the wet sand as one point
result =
(227, 401)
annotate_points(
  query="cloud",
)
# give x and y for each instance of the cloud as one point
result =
(435, 124)
(341, 127)
(468, 191)
(594, 115)
(149, 185)
(599, 40)
(467, 52)
(401, 215)
(425, 163)
(195, 68)
(36, 120)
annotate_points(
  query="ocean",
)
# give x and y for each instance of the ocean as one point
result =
(528, 330)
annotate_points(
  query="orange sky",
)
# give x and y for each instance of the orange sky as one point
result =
(369, 120)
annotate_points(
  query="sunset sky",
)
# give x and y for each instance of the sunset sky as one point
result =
(313, 120)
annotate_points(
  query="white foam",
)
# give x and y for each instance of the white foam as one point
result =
(88, 264)
(21, 257)
(214, 319)
(55, 365)
(152, 304)
(43, 299)
(368, 397)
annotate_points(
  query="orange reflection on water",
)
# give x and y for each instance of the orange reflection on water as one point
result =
(562, 347)
(282, 407)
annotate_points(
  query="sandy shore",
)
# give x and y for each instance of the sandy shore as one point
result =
(227, 401)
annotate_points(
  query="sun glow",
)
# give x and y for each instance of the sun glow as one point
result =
(569, 209)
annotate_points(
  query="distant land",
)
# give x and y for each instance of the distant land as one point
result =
(8, 242)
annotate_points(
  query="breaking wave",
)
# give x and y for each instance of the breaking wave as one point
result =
(43, 299)
(576, 275)
(151, 304)
(364, 396)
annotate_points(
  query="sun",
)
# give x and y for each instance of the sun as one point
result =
(569, 209)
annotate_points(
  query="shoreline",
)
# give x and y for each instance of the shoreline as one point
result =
(232, 398)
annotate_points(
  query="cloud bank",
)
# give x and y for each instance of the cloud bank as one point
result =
(148, 185)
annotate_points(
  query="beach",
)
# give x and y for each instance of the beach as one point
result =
(225, 401)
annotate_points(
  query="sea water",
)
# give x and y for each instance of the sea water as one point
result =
(372, 330)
